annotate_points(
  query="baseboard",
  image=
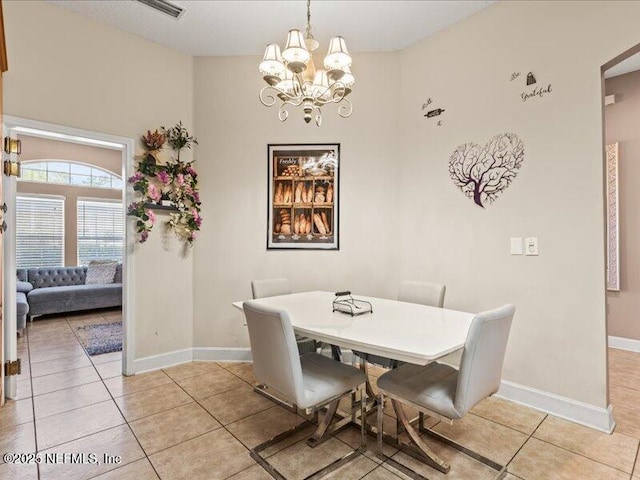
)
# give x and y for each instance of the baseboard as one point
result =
(563, 407)
(222, 354)
(201, 354)
(558, 406)
(163, 360)
(624, 344)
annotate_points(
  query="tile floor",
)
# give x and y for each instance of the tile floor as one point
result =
(196, 421)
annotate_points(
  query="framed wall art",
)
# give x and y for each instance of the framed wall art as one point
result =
(304, 186)
(613, 232)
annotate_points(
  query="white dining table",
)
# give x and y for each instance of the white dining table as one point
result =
(402, 331)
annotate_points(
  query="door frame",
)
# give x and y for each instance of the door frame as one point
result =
(34, 128)
(611, 63)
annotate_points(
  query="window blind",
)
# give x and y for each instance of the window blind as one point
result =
(100, 230)
(39, 231)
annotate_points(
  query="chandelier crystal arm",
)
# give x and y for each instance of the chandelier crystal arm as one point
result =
(346, 109)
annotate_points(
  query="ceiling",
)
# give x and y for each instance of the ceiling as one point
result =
(629, 65)
(244, 27)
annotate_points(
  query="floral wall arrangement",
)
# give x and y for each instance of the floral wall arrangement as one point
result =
(170, 186)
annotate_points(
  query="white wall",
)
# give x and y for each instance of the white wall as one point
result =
(558, 341)
(69, 70)
(234, 130)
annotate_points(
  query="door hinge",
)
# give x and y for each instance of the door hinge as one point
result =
(11, 169)
(12, 367)
(12, 145)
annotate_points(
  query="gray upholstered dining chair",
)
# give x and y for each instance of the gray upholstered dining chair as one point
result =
(310, 381)
(270, 287)
(444, 392)
(280, 286)
(424, 293)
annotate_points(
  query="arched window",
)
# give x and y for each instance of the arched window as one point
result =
(68, 173)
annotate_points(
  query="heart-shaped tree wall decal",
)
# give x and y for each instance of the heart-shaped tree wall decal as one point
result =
(484, 172)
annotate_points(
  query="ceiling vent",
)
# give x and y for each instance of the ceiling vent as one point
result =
(164, 7)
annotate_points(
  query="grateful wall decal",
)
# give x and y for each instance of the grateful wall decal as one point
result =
(535, 92)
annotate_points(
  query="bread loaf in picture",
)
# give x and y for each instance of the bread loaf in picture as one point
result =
(319, 196)
(325, 221)
(330, 193)
(317, 220)
(303, 224)
(290, 171)
(285, 217)
(279, 195)
(298, 195)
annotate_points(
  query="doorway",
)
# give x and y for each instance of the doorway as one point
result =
(621, 89)
(87, 245)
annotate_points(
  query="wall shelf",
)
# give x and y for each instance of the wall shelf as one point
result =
(155, 206)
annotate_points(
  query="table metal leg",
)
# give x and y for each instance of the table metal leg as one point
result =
(336, 353)
(364, 367)
(363, 415)
(380, 414)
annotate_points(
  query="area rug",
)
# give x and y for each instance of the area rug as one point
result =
(99, 338)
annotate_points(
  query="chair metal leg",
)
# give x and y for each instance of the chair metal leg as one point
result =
(317, 437)
(354, 401)
(263, 390)
(419, 450)
(432, 459)
(325, 430)
(255, 452)
(502, 470)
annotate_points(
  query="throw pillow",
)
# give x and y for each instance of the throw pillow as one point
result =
(100, 273)
(118, 277)
(24, 287)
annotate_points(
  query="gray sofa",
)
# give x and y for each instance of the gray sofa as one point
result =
(63, 289)
(22, 308)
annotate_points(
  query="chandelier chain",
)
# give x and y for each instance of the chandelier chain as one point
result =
(308, 27)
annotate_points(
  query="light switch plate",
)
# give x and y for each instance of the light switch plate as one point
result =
(516, 246)
(531, 246)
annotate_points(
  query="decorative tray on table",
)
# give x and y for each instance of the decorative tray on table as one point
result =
(345, 303)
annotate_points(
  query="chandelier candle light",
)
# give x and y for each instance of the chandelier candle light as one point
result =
(292, 77)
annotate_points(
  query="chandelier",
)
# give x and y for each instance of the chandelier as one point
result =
(292, 77)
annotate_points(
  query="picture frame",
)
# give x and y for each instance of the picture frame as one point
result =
(303, 196)
(613, 220)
